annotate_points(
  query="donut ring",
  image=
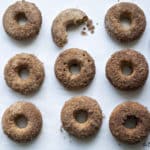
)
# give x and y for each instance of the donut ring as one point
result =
(125, 10)
(75, 106)
(71, 57)
(132, 59)
(35, 73)
(33, 117)
(121, 113)
(26, 10)
(62, 21)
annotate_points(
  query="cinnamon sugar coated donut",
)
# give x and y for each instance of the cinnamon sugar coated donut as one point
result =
(75, 106)
(127, 58)
(77, 57)
(127, 11)
(35, 76)
(64, 19)
(32, 116)
(27, 11)
(124, 112)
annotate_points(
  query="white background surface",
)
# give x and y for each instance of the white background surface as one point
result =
(51, 97)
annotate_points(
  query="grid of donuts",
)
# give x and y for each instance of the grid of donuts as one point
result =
(78, 105)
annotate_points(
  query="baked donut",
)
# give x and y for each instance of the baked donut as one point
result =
(35, 76)
(130, 12)
(72, 57)
(127, 58)
(64, 19)
(26, 10)
(75, 106)
(22, 110)
(129, 111)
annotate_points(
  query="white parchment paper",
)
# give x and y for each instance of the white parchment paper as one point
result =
(51, 97)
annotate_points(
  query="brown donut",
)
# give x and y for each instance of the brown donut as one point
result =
(78, 57)
(22, 9)
(35, 70)
(135, 61)
(75, 106)
(127, 11)
(27, 111)
(65, 19)
(126, 111)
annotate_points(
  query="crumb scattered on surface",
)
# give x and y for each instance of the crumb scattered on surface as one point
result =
(92, 32)
(89, 27)
(83, 33)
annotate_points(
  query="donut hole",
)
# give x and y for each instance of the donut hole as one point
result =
(126, 68)
(74, 67)
(125, 20)
(131, 122)
(21, 121)
(21, 19)
(81, 116)
(24, 73)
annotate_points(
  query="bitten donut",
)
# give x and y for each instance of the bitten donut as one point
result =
(26, 10)
(124, 112)
(35, 76)
(75, 106)
(22, 110)
(72, 57)
(64, 19)
(129, 11)
(131, 59)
